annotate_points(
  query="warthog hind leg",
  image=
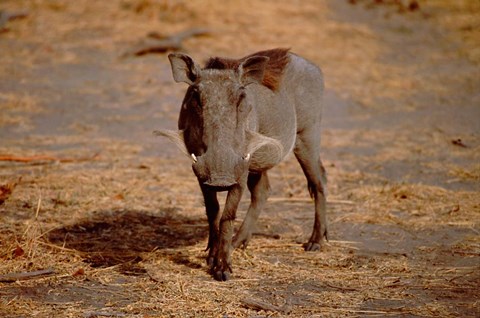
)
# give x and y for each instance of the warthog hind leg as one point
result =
(307, 153)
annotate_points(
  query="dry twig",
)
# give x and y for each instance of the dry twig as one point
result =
(256, 304)
(156, 43)
(40, 158)
(8, 16)
(13, 277)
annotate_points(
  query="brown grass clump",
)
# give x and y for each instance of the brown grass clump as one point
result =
(462, 19)
(425, 205)
(140, 253)
(14, 109)
(471, 173)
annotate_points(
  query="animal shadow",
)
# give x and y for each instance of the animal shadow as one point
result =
(120, 237)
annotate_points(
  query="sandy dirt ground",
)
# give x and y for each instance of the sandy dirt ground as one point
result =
(113, 215)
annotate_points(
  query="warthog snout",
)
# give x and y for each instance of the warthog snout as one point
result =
(221, 170)
(220, 182)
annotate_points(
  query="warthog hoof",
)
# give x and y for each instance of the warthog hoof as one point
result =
(220, 269)
(315, 242)
(221, 276)
(312, 246)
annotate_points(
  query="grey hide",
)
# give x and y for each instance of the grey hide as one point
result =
(235, 129)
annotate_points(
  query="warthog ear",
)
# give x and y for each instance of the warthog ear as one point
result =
(252, 69)
(174, 136)
(184, 68)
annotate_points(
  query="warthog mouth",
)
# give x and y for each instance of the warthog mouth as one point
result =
(220, 183)
(217, 188)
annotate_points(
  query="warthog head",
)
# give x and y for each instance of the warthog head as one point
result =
(217, 123)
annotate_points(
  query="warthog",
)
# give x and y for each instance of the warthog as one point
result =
(240, 118)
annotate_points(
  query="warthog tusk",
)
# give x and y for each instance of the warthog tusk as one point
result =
(194, 157)
(247, 157)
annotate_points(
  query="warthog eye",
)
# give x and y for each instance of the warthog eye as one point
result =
(241, 96)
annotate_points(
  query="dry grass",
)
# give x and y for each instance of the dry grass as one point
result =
(131, 243)
(14, 109)
(125, 232)
(461, 18)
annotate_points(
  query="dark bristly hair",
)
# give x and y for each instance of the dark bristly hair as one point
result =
(278, 59)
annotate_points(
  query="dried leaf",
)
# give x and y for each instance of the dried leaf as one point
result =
(18, 252)
(79, 272)
(5, 191)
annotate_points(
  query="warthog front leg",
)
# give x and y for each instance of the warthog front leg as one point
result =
(307, 153)
(221, 231)
(259, 188)
(212, 208)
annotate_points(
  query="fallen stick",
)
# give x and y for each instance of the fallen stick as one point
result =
(343, 242)
(332, 201)
(255, 304)
(8, 16)
(156, 43)
(96, 314)
(26, 159)
(13, 277)
(344, 289)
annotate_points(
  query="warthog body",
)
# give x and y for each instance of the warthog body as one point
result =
(240, 118)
